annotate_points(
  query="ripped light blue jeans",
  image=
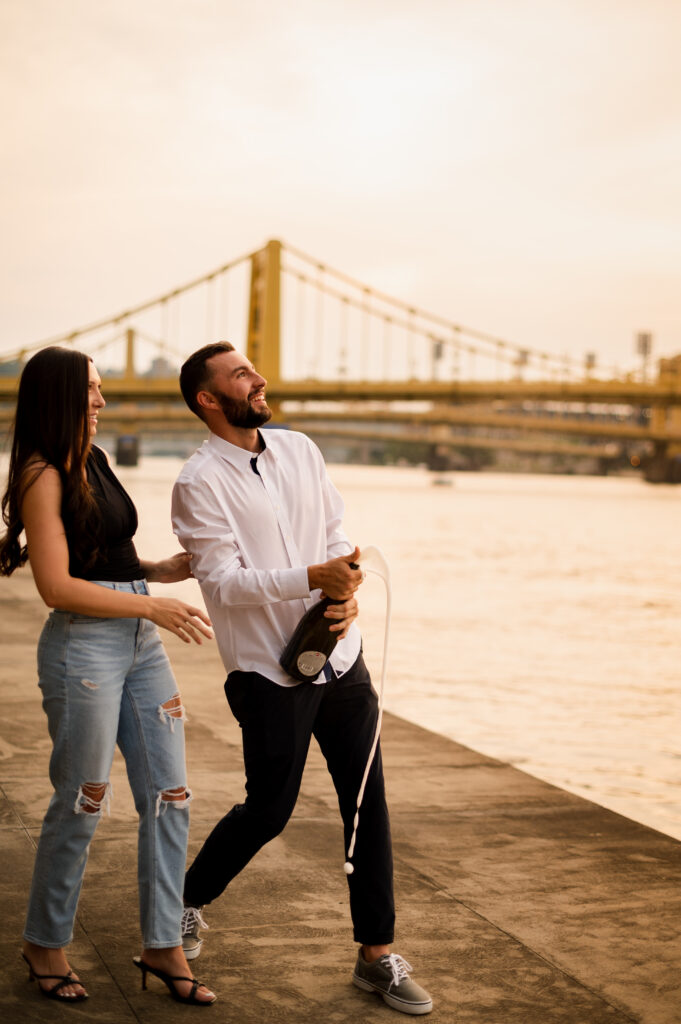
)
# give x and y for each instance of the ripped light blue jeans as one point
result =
(106, 682)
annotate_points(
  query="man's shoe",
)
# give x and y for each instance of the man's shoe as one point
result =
(192, 922)
(389, 976)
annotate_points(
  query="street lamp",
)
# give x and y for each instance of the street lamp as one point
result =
(644, 345)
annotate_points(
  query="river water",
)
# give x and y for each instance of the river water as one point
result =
(535, 618)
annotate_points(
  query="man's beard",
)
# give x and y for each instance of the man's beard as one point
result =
(240, 413)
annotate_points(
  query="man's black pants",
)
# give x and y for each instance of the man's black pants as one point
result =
(277, 723)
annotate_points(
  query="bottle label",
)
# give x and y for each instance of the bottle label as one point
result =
(310, 663)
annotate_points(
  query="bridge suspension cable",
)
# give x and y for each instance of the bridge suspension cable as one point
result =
(373, 303)
(167, 305)
(347, 330)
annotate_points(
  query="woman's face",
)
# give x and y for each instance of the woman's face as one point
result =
(95, 400)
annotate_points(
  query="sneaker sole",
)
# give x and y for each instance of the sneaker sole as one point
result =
(193, 951)
(416, 1009)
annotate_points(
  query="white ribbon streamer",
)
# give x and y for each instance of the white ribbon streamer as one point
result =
(373, 560)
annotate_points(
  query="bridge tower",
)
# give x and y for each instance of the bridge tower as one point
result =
(263, 342)
(129, 372)
(665, 465)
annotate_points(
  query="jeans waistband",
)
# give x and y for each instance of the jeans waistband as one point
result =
(133, 587)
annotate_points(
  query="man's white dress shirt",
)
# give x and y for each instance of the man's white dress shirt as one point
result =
(251, 537)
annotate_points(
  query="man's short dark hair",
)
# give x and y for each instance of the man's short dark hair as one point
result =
(195, 374)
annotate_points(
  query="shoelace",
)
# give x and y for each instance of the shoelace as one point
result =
(192, 916)
(399, 967)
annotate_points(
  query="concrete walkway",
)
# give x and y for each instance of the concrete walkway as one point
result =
(517, 902)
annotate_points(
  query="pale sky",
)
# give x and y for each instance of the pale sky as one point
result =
(513, 165)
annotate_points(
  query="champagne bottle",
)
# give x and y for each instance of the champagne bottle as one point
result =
(312, 643)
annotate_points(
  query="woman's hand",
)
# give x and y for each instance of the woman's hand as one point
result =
(169, 570)
(345, 613)
(182, 619)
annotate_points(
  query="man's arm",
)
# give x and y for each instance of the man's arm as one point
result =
(333, 509)
(334, 577)
(204, 532)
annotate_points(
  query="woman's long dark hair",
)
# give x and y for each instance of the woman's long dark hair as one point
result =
(51, 428)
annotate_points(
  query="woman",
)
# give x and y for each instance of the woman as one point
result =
(104, 675)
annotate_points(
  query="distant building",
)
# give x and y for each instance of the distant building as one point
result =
(12, 368)
(161, 367)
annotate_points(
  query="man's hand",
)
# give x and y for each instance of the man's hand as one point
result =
(335, 578)
(344, 614)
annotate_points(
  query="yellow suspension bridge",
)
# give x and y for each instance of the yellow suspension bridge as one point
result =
(345, 361)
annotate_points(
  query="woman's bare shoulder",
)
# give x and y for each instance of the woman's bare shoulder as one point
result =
(40, 473)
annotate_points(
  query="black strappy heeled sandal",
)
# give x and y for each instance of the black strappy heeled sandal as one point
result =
(55, 991)
(169, 980)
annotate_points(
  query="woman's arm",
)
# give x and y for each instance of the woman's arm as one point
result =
(169, 570)
(49, 559)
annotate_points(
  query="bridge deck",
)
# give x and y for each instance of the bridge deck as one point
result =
(606, 392)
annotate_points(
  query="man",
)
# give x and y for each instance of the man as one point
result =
(263, 525)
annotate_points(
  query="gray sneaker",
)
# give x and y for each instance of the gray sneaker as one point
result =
(192, 921)
(389, 976)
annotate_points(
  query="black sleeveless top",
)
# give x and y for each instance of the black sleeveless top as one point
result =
(117, 560)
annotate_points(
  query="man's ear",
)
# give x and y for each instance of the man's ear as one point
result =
(206, 400)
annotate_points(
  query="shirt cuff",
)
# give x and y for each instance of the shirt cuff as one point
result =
(294, 583)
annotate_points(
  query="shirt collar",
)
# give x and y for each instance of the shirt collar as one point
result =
(239, 457)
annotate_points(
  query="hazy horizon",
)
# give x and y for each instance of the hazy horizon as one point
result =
(513, 167)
